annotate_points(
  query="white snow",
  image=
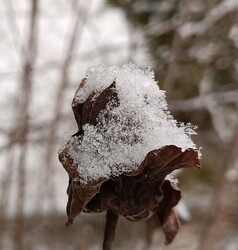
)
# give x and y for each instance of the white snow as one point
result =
(126, 133)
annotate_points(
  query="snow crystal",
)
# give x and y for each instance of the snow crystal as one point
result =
(125, 132)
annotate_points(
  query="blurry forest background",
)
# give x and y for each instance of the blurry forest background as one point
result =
(45, 48)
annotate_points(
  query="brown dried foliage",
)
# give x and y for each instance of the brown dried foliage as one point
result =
(137, 195)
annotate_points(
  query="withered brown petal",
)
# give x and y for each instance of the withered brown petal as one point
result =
(135, 194)
(167, 217)
(78, 107)
(94, 105)
(160, 162)
(81, 195)
(171, 197)
(171, 227)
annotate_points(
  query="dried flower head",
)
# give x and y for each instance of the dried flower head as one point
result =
(126, 146)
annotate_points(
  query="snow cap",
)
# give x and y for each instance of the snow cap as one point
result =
(130, 126)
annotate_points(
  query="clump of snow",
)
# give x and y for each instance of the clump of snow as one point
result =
(125, 132)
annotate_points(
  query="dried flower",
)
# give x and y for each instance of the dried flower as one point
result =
(107, 162)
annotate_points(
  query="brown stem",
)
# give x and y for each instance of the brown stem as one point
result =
(109, 233)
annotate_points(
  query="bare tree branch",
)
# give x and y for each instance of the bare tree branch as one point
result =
(197, 103)
(22, 126)
(51, 146)
(171, 73)
(216, 111)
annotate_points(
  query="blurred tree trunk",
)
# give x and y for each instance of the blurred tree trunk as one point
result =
(5, 191)
(22, 125)
(71, 45)
(223, 225)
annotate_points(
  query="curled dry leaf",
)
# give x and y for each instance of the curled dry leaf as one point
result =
(140, 194)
